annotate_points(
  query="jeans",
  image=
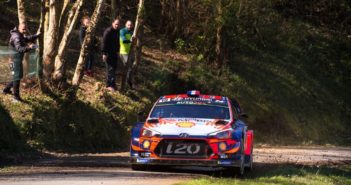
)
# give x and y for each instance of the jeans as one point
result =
(127, 67)
(90, 61)
(111, 66)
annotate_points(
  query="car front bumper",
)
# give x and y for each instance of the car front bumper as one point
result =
(186, 162)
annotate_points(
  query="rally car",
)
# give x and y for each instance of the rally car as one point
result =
(195, 130)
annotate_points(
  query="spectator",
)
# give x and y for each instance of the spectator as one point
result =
(110, 49)
(19, 44)
(90, 58)
(125, 40)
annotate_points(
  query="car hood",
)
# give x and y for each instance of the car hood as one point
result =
(190, 126)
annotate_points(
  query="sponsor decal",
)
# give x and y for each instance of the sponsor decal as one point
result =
(185, 124)
(193, 101)
(139, 160)
(224, 162)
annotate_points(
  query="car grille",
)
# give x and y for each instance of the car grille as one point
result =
(173, 148)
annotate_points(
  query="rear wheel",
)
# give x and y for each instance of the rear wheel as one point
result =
(249, 159)
(249, 162)
(139, 167)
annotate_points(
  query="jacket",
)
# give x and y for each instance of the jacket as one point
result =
(110, 42)
(18, 42)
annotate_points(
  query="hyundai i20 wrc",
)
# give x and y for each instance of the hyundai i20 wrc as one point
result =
(194, 130)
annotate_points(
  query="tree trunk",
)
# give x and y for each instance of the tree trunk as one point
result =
(71, 22)
(161, 26)
(50, 39)
(115, 9)
(219, 36)
(138, 48)
(219, 46)
(40, 43)
(78, 74)
(138, 22)
(22, 19)
(178, 18)
(64, 17)
(21, 12)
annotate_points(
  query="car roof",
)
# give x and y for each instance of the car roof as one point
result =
(204, 96)
(186, 99)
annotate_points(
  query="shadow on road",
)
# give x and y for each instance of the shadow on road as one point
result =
(118, 166)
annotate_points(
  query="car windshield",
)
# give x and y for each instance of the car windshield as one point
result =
(191, 111)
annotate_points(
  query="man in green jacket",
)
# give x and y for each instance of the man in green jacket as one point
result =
(125, 40)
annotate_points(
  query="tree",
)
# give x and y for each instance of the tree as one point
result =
(115, 8)
(22, 18)
(40, 42)
(139, 45)
(71, 22)
(219, 35)
(50, 38)
(78, 74)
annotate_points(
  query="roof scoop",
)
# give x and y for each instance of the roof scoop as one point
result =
(193, 93)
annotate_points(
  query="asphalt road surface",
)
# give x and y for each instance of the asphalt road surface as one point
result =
(113, 168)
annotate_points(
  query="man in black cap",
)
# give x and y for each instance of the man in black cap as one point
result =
(110, 51)
(19, 44)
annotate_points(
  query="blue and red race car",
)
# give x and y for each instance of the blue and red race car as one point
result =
(195, 130)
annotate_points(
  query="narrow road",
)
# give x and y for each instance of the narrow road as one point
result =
(113, 168)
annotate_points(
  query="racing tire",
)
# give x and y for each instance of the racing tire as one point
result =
(241, 169)
(139, 167)
(249, 165)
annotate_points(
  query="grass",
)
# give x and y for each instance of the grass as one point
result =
(8, 169)
(295, 87)
(287, 175)
(56, 123)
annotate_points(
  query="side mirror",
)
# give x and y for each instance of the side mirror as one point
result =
(141, 117)
(244, 115)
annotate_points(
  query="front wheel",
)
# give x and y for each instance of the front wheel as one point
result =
(139, 167)
(242, 164)
(241, 169)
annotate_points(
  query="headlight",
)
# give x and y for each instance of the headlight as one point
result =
(149, 133)
(221, 135)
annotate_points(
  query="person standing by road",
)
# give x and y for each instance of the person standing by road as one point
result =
(19, 44)
(110, 48)
(90, 59)
(125, 40)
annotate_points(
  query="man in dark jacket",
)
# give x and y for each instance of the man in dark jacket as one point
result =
(110, 51)
(19, 44)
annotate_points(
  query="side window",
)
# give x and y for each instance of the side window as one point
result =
(236, 108)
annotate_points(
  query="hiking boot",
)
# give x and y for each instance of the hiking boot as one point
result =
(111, 89)
(130, 84)
(6, 91)
(90, 73)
